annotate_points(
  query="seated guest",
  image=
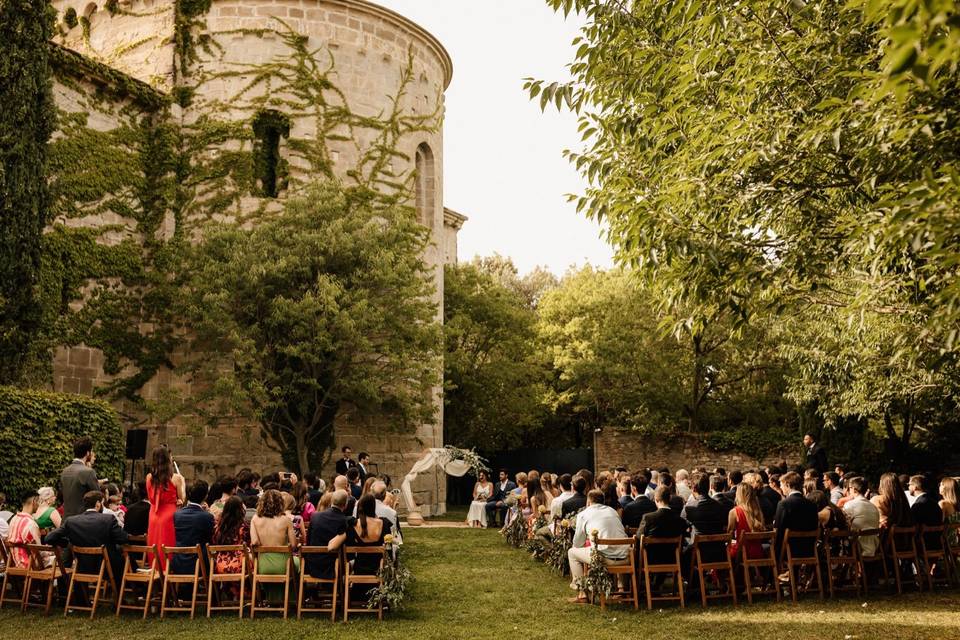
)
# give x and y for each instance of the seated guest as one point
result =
(892, 503)
(640, 505)
(231, 530)
(904, 480)
(706, 517)
(272, 528)
(767, 507)
(314, 492)
(192, 526)
(366, 530)
(250, 504)
(676, 502)
(385, 512)
(862, 514)
(606, 522)
(137, 519)
(795, 513)
(496, 504)
(579, 499)
(47, 517)
(683, 484)
(341, 483)
(733, 481)
(745, 517)
(112, 503)
(718, 488)
(299, 528)
(624, 492)
(356, 486)
(24, 529)
(303, 507)
(830, 515)
(328, 528)
(245, 484)
(566, 492)
(92, 529)
(831, 484)
(665, 522)
(226, 486)
(587, 476)
(926, 510)
(948, 504)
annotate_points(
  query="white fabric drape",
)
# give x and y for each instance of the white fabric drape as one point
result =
(430, 458)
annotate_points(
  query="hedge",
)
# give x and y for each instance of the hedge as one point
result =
(37, 431)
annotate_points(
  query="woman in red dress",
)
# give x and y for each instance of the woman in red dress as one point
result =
(165, 490)
(745, 517)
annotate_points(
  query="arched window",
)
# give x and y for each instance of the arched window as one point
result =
(426, 185)
(270, 169)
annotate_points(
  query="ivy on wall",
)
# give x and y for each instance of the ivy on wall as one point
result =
(27, 120)
(37, 430)
(148, 183)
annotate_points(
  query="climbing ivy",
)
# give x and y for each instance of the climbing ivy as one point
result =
(27, 120)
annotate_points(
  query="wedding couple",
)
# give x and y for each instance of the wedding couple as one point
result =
(489, 499)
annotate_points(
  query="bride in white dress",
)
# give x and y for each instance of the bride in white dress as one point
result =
(483, 490)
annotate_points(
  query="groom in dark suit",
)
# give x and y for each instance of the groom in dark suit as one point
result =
(497, 502)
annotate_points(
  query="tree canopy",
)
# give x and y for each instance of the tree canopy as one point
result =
(326, 313)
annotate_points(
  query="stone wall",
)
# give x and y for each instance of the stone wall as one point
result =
(623, 447)
(372, 63)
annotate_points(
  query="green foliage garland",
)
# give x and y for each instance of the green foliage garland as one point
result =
(597, 580)
(395, 581)
(37, 430)
(557, 558)
(70, 18)
(515, 531)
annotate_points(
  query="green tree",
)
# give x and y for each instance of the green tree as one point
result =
(494, 380)
(27, 121)
(326, 312)
(747, 156)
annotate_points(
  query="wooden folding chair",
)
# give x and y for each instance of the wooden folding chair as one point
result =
(952, 544)
(260, 579)
(141, 569)
(218, 580)
(768, 562)
(172, 581)
(879, 557)
(842, 551)
(15, 570)
(308, 582)
(791, 562)
(102, 581)
(621, 571)
(902, 542)
(350, 579)
(933, 553)
(671, 568)
(137, 540)
(41, 571)
(717, 544)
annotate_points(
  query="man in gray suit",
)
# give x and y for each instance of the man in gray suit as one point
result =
(78, 478)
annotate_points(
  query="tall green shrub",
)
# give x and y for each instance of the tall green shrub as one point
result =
(37, 430)
(27, 121)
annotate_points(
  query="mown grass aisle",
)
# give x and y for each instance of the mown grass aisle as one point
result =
(469, 584)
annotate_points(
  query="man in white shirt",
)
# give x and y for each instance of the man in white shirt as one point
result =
(862, 515)
(379, 490)
(606, 522)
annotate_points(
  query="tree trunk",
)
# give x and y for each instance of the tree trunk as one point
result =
(302, 458)
(693, 414)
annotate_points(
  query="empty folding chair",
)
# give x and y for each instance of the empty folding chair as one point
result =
(902, 545)
(141, 570)
(934, 555)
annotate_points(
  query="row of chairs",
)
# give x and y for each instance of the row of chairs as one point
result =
(145, 585)
(925, 550)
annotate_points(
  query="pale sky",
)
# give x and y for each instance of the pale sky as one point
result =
(503, 166)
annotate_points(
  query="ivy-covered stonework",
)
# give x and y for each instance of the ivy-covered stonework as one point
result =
(171, 160)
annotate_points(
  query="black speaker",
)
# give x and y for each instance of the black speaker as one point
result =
(136, 444)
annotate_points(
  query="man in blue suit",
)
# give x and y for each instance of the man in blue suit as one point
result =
(497, 502)
(193, 526)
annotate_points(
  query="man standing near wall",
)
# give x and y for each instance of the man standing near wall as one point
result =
(816, 455)
(78, 477)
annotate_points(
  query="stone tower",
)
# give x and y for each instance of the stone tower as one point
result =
(267, 96)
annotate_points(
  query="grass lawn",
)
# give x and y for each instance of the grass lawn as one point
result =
(471, 585)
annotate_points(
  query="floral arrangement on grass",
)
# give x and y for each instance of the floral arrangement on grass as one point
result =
(556, 557)
(515, 531)
(535, 545)
(596, 580)
(394, 581)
